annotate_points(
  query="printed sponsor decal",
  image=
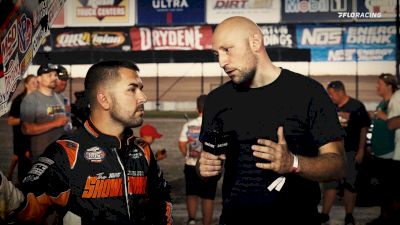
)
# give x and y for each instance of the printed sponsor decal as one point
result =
(137, 185)
(38, 169)
(95, 154)
(100, 8)
(101, 186)
(166, 12)
(10, 42)
(107, 39)
(385, 8)
(94, 39)
(55, 8)
(364, 42)
(279, 36)
(171, 38)
(73, 40)
(315, 10)
(25, 33)
(101, 12)
(21, 40)
(40, 12)
(329, 36)
(260, 11)
(12, 75)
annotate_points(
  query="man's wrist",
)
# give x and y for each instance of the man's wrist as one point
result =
(296, 164)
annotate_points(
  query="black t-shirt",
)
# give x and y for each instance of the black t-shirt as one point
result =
(309, 119)
(20, 141)
(359, 118)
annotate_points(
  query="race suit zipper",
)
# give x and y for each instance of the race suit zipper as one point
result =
(125, 182)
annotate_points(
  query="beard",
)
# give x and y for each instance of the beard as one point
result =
(246, 77)
(126, 118)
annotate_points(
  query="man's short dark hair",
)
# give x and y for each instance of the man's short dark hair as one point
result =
(337, 85)
(200, 102)
(102, 73)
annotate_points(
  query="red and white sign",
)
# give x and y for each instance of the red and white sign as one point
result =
(171, 38)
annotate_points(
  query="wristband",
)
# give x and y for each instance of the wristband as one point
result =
(295, 166)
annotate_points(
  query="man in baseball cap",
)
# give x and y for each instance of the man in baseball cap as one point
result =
(149, 133)
(46, 68)
(62, 75)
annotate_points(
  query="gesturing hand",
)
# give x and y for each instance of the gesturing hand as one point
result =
(281, 159)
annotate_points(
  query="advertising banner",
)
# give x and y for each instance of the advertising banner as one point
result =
(364, 42)
(279, 36)
(171, 38)
(260, 11)
(163, 12)
(83, 13)
(376, 10)
(76, 39)
(315, 11)
(20, 40)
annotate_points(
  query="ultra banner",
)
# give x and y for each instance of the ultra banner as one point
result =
(364, 42)
(167, 12)
(20, 40)
(171, 38)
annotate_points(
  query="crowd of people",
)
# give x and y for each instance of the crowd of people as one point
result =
(281, 142)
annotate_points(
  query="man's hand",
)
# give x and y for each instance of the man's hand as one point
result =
(281, 159)
(61, 120)
(210, 165)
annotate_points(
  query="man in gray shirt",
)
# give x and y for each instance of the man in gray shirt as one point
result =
(43, 112)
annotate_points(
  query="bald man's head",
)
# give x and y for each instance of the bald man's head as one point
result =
(238, 43)
(238, 26)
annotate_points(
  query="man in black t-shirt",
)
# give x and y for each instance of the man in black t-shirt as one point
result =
(355, 121)
(283, 131)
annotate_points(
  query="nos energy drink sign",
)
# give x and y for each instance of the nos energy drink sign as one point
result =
(364, 42)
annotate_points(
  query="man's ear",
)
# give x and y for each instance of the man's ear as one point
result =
(103, 100)
(256, 42)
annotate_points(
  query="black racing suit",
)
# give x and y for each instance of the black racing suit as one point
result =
(97, 179)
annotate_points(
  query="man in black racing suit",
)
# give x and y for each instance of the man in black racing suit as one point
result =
(101, 173)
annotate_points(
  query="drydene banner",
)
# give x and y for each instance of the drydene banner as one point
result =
(171, 38)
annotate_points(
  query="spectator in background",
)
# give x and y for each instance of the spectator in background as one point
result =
(43, 113)
(62, 81)
(149, 134)
(355, 120)
(382, 144)
(61, 85)
(196, 188)
(393, 123)
(21, 142)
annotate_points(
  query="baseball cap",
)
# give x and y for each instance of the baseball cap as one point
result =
(149, 130)
(45, 68)
(62, 73)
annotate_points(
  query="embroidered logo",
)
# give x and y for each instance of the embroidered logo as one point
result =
(95, 154)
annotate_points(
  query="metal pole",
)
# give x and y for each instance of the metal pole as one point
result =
(157, 91)
(202, 78)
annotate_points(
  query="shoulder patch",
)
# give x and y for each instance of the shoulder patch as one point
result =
(71, 149)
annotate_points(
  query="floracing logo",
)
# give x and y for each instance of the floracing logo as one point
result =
(359, 15)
